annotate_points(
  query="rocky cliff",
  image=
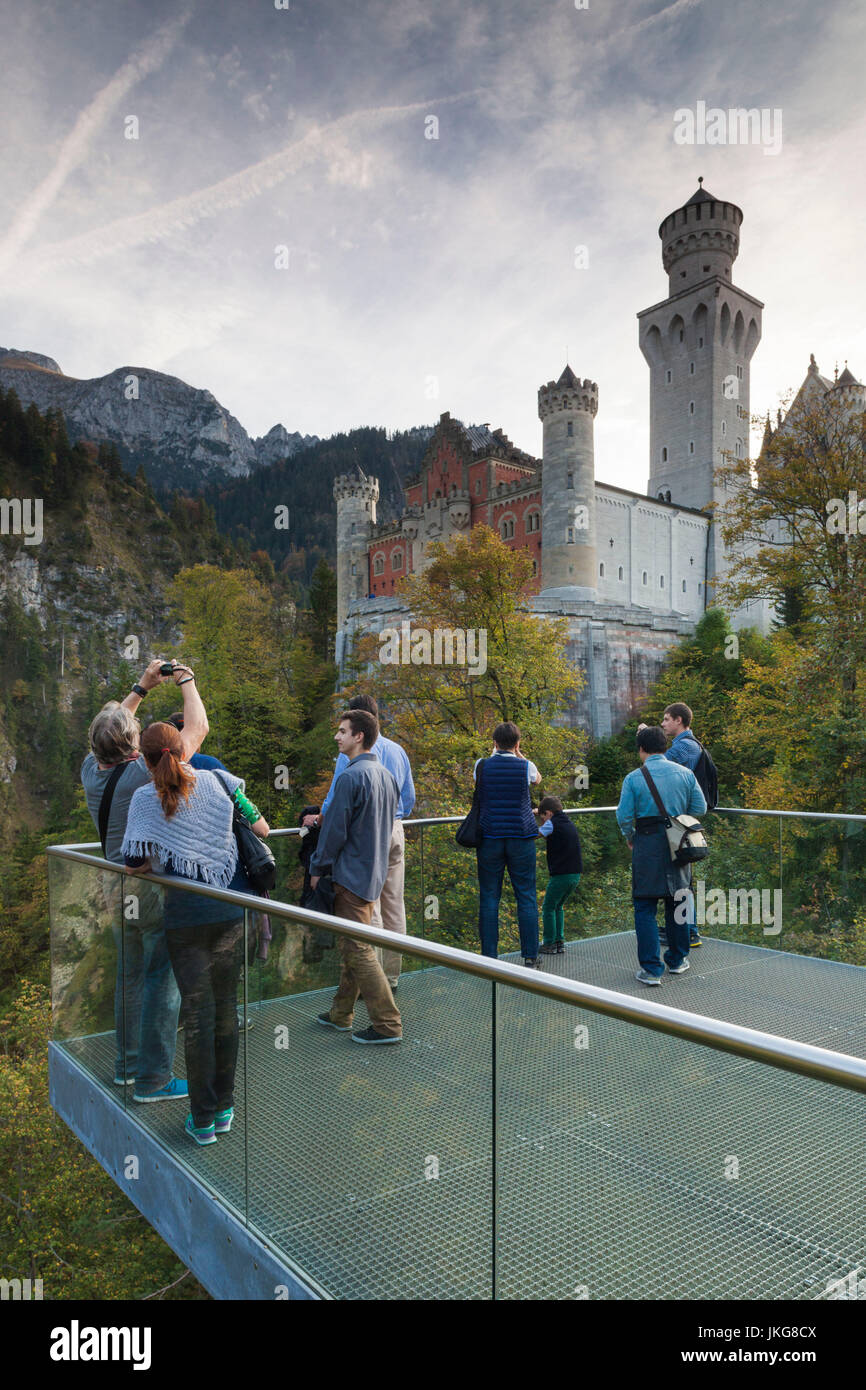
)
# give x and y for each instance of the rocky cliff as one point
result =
(181, 436)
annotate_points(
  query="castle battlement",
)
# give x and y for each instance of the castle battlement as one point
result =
(365, 489)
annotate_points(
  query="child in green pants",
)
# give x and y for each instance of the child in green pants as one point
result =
(564, 864)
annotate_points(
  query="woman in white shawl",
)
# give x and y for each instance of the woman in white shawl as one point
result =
(180, 825)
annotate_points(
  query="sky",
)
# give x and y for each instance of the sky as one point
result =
(345, 214)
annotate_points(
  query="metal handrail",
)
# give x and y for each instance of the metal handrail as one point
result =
(837, 1068)
(574, 811)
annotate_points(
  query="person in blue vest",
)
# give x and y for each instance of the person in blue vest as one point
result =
(508, 842)
(685, 750)
(654, 874)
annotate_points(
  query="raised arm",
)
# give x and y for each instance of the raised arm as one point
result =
(195, 726)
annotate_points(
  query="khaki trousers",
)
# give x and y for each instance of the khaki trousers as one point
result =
(390, 911)
(361, 973)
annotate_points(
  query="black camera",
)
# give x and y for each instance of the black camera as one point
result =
(166, 668)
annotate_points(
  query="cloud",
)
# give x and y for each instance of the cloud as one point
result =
(336, 143)
(75, 147)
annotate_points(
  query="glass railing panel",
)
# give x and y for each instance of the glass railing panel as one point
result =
(824, 900)
(370, 1164)
(85, 906)
(634, 1165)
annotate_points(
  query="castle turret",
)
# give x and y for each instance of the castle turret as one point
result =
(699, 343)
(567, 409)
(356, 499)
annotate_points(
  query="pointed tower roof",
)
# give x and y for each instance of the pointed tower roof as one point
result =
(848, 379)
(701, 195)
(568, 378)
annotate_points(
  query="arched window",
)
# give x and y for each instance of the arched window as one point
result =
(664, 455)
(601, 570)
(379, 564)
(569, 536)
(691, 446)
(684, 586)
(397, 560)
(619, 573)
(570, 480)
(661, 581)
(691, 407)
(570, 430)
(644, 577)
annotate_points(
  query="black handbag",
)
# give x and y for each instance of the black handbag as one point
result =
(469, 833)
(259, 863)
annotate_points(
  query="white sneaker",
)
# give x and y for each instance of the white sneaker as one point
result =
(647, 979)
(681, 968)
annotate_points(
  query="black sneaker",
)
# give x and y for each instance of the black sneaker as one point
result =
(532, 963)
(327, 1022)
(560, 948)
(370, 1035)
(548, 950)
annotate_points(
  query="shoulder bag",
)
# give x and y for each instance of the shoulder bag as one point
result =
(469, 833)
(687, 840)
(259, 863)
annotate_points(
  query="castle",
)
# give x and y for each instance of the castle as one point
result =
(631, 572)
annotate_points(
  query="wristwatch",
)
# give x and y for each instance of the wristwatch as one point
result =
(139, 690)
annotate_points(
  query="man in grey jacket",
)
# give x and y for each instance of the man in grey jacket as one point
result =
(353, 846)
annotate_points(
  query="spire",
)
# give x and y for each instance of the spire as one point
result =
(568, 378)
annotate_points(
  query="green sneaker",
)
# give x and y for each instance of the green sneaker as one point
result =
(201, 1136)
(222, 1122)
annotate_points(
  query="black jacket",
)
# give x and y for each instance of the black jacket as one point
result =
(563, 847)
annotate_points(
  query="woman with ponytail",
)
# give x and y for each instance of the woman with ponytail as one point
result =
(180, 825)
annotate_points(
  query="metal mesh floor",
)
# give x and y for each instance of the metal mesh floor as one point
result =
(628, 1166)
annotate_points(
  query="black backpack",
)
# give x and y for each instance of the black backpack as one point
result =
(707, 777)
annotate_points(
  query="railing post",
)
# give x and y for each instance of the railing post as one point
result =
(423, 896)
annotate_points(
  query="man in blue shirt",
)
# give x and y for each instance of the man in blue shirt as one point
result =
(389, 911)
(685, 750)
(654, 873)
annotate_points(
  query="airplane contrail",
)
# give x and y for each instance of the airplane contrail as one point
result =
(233, 191)
(146, 60)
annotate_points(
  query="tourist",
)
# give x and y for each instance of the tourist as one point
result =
(564, 865)
(654, 874)
(183, 820)
(354, 846)
(390, 910)
(146, 998)
(508, 842)
(685, 750)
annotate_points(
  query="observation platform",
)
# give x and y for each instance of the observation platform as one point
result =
(514, 1145)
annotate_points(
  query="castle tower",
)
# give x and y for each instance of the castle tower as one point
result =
(566, 409)
(356, 513)
(698, 343)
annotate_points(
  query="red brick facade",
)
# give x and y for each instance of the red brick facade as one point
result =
(501, 484)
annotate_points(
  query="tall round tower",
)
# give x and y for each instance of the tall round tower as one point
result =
(567, 409)
(356, 499)
(701, 238)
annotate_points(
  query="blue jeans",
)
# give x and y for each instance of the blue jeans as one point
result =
(646, 927)
(495, 855)
(146, 1006)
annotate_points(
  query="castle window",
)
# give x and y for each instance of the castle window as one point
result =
(570, 480)
(684, 586)
(397, 560)
(619, 573)
(601, 570)
(691, 446)
(379, 564)
(700, 342)
(691, 407)
(739, 448)
(681, 331)
(661, 581)
(668, 377)
(570, 429)
(644, 577)
(691, 369)
(739, 374)
(477, 486)
(569, 536)
(724, 428)
(354, 569)
(700, 586)
(664, 455)
(353, 528)
(706, 268)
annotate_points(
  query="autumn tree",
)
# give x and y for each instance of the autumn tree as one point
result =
(516, 668)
